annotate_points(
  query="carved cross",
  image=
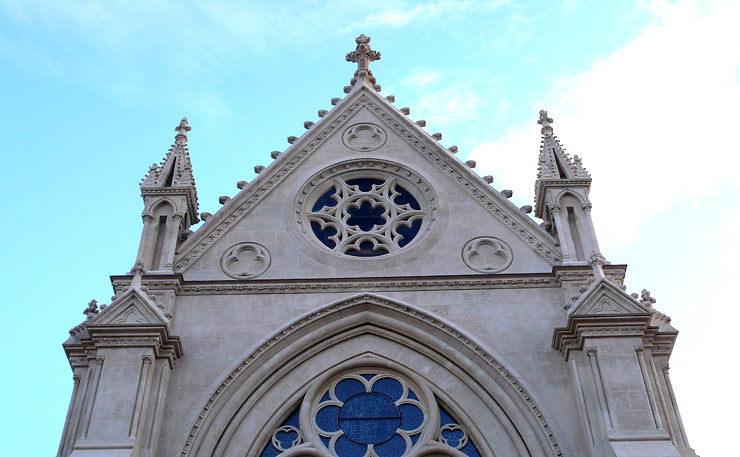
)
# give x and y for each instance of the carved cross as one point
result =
(92, 309)
(182, 130)
(363, 55)
(544, 120)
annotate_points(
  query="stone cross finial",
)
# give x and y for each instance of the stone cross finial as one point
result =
(182, 131)
(363, 55)
(646, 300)
(545, 121)
(92, 309)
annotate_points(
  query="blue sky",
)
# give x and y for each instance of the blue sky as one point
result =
(645, 92)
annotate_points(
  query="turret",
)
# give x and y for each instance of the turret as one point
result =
(561, 196)
(170, 205)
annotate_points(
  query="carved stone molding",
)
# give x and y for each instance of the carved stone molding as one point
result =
(364, 137)
(245, 260)
(261, 286)
(487, 254)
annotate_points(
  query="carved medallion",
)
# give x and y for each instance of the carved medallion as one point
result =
(364, 137)
(487, 254)
(245, 260)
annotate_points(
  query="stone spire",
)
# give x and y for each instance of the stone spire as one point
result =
(170, 205)
(561, 197)
(175, 171)
(363, 55)
(554, 162)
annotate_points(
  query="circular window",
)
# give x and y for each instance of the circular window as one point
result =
(369, 411)
(366, 208)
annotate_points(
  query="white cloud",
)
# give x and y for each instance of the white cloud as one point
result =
(451, 105)
(403, 15)
(655, 121)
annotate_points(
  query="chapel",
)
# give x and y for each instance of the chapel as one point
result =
(368, 294)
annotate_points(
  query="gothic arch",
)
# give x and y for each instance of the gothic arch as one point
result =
(274, 376)
(569, 193)
(161, 205)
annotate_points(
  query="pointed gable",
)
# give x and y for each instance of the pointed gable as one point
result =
(133, 307)
(604, 298)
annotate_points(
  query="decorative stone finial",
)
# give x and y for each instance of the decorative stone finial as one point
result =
(363, 55)
(646, 300)
(91, 310)
(596, 260)
(545, 122)
(182, 131)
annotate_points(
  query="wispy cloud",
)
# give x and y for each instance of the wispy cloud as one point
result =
(399, 16)
(652, 121)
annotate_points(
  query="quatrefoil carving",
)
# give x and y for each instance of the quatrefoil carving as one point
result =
(245, 260)
(364, 137)
(487, 254)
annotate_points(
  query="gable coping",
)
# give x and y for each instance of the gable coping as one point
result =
(255, 191)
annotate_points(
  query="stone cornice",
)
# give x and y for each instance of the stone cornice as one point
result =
(553, 279)
(572, 337)
(157, 337)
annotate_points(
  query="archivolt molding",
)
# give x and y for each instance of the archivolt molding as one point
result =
(253, 360)
(258, 189)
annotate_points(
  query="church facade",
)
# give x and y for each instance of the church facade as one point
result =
(368, 294)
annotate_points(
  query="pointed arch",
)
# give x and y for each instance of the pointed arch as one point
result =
(569, 193)
(280, 369)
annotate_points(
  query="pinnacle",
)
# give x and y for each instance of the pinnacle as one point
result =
(175, 170)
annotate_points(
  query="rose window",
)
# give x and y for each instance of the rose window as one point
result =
(369, 412)
(375, 211)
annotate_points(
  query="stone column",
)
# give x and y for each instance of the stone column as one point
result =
(566, 238)
(587, 229)
(173, 230)
(146, 236)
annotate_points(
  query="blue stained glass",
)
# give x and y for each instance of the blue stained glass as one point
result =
(444, 417)
(328, 418)
(394, 447)
(388, 387)
(323, 235)
(408, 233)
(325, 200)
(453, 437)
(412, 395)
(415, 438)
(326, 397)
(366, 184)
(411, 417)
(345, 447)
(325, 440)
(366, 217)
(368, 376)
(286, 438)
(346, 388)
(369, 418)
(405, 197)
(469, 449)
(366, 250)
(293, 419)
